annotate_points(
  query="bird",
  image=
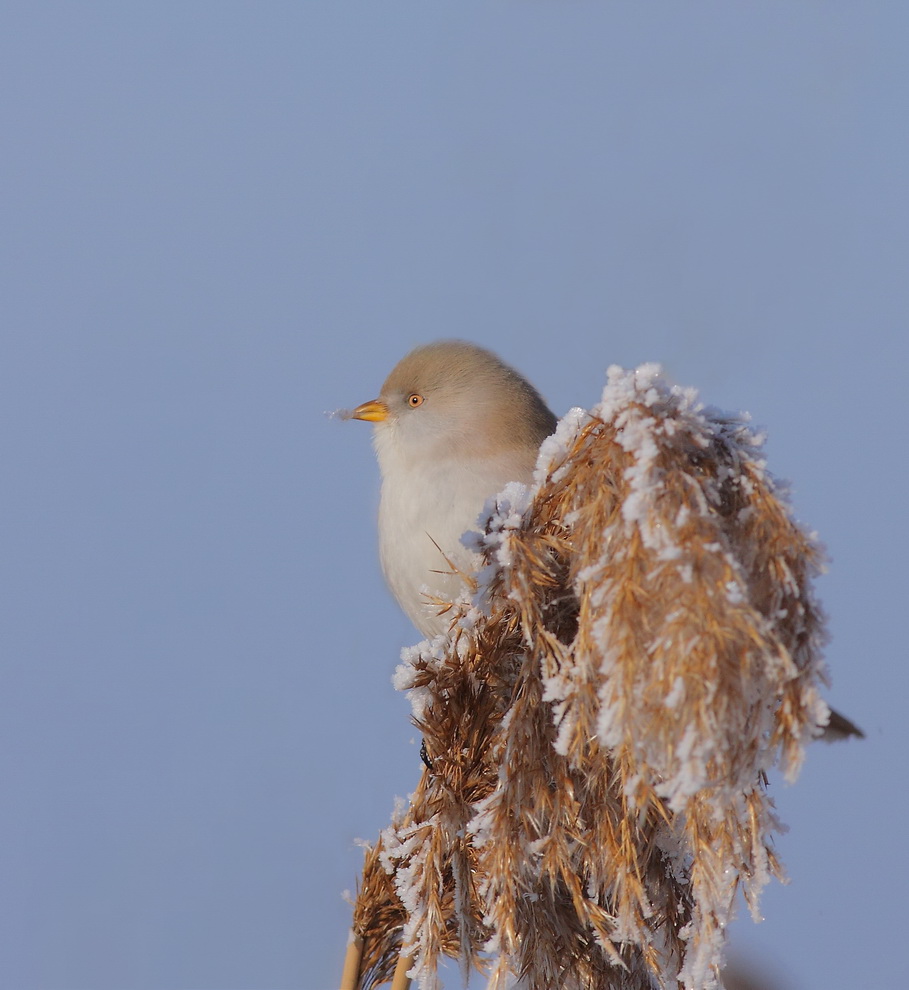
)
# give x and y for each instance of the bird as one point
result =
(454, 424)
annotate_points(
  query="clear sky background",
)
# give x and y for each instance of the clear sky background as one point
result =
(219, 220)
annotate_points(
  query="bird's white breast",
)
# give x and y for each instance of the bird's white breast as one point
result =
(427, 504)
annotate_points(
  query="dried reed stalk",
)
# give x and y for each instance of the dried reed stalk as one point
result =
(351, 972)
(643, 646)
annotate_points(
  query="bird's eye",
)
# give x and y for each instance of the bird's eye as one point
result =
(414, 400)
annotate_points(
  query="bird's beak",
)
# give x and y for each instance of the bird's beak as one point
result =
(373, 412)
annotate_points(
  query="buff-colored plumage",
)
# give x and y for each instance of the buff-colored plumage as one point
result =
(476, 425)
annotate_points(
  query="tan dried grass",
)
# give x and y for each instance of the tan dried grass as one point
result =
(647, 646)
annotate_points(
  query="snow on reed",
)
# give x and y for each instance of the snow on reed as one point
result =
(642, 646)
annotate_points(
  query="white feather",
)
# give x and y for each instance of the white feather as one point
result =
(427, 504)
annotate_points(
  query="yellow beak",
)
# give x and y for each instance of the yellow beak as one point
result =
(373, 412)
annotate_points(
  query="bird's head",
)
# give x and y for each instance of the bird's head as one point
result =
(452, 400)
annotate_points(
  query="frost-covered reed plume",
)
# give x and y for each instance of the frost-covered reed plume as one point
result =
(642, 647)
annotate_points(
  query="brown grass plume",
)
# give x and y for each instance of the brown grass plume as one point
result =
(642, 647)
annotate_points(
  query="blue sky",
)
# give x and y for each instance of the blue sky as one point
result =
(222, 219)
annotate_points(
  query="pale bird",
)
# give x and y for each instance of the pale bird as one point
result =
(453, 425)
